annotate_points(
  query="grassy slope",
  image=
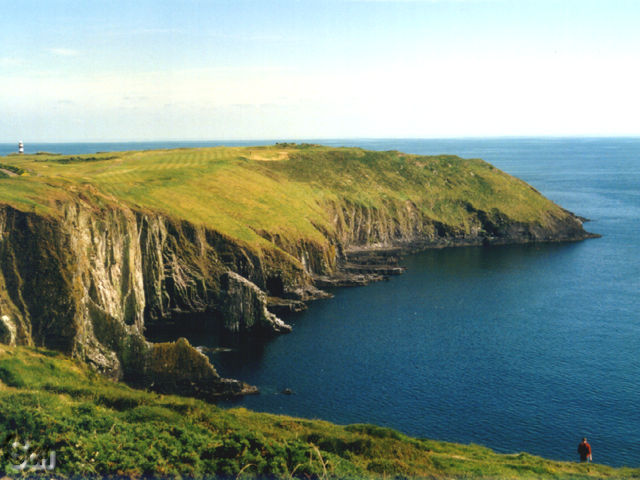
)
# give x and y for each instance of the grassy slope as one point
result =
(280, 189)
(99, 427)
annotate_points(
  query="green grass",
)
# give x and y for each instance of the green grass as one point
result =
(12, 168)
(97, 428)
(284, 189)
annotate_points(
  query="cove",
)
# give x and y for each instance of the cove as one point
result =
(469, 345)
(520, 348)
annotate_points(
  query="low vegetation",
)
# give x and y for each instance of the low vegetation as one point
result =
(12, 168)
(282, 189)
(99, 428)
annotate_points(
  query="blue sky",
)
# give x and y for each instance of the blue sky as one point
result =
(241, 69)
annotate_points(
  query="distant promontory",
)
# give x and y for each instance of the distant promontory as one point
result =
(97, 251)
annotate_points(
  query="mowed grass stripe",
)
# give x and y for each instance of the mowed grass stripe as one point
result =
(241, 190)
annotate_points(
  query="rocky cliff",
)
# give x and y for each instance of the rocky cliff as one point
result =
(93, 275)
(89, 283)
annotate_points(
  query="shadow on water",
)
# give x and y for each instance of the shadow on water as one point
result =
(503, 258)
(204, 331)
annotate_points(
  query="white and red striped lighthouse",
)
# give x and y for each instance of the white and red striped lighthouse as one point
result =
(20, 147)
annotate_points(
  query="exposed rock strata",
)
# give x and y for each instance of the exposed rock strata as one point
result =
(285, 305)
(370, 241)
(7, 331)
(89, 283)
(91, 280)
(245, 307)
(394, 230)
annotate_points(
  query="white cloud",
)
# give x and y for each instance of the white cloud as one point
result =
(432, 97)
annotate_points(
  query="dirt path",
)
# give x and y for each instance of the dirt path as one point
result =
(8, 172)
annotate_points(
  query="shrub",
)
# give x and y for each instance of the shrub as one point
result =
(10, 378)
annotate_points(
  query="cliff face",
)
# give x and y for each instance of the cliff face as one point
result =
(91, 282)
(406, 226)
(94, 275)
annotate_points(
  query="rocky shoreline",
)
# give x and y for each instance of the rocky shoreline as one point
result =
(132, 286)
(367, 264)
(95, 277)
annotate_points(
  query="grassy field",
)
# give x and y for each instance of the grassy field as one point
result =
(281, 189)
(99, 428)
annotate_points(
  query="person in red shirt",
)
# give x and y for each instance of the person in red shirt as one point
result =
(584, 450)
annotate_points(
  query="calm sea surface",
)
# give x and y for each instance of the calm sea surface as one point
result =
(520, 348)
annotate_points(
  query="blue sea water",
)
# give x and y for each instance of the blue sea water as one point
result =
(520, 348)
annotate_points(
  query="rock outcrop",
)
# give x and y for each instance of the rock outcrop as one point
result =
(178, 367)
(7, 331)
(245, 307)
(91, 282)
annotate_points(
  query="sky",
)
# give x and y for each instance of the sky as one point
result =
(283, 69)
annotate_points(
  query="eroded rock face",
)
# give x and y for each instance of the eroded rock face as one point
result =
(7, 331)
(245, 307)
(93, 281)
(178, 367)
(406, 227)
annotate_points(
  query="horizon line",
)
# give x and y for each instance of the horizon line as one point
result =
(294, 139)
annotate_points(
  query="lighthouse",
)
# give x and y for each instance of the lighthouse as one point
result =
(20, 147)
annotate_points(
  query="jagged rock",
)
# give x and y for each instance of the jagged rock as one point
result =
(245, 307)
(179, 367)
(285, 305)
(90, 282)
(7, 331)
(309, 293)
(347, 279)
(377, 269)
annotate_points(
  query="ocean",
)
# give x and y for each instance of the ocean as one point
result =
(519, 348)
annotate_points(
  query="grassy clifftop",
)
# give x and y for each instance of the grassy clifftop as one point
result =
(98, 428)
(284, 190)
